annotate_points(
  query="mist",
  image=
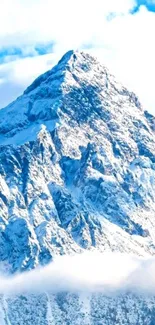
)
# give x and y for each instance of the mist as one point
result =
(109, 273)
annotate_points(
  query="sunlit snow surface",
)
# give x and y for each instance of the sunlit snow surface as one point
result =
(77, 172)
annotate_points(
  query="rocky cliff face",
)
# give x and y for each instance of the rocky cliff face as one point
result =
(77, 172)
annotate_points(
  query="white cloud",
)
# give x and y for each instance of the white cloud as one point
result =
(124, 43)
(88, 272)
(30, 22)
(15, 76)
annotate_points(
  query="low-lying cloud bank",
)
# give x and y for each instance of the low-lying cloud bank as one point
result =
(109, 273)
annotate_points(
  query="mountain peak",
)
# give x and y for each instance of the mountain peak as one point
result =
(68, 55)
(74, 56)
(78, 87)
(69, 62)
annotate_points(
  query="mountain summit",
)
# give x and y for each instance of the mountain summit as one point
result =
(77, 170)
(77, 86)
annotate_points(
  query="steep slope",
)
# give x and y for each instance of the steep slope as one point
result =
(77, 169)
(77, 166)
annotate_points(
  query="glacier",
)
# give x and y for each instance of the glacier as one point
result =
(77, 173)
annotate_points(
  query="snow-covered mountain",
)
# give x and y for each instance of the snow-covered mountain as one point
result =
(77, 172)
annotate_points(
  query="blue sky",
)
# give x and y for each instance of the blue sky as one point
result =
(34, 34)
(150, 5)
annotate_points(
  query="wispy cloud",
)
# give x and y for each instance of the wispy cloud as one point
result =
(109, 273)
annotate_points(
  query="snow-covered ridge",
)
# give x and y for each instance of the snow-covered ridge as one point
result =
(77, 156)
(77, 171)
(45, 99)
